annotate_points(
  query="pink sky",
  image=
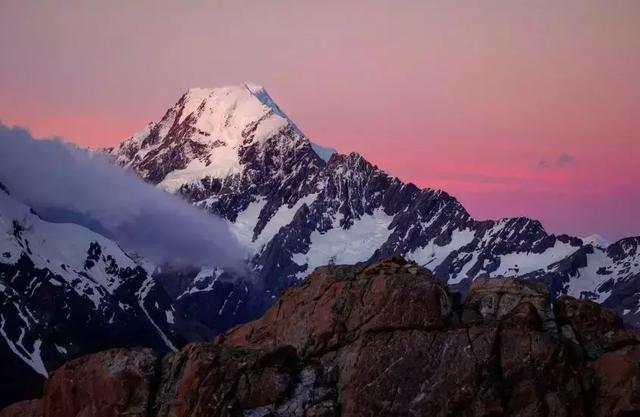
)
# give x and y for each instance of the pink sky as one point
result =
(516, 108)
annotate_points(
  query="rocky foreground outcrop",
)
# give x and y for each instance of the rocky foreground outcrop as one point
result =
(384, 340)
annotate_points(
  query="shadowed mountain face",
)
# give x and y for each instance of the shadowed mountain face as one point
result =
(387, 339)
(295, 206)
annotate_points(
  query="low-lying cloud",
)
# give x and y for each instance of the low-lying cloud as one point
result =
(61, 182)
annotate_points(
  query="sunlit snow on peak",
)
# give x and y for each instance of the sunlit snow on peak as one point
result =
(597, 241)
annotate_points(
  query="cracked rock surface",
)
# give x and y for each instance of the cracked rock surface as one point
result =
(387, 339)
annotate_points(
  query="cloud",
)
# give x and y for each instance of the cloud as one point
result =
(544, 164)
(564, 160)
(65, 183)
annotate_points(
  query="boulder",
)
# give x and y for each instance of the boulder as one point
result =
(595, 328)
(112, 383)
(491, 299)
(338, 304)
(616, 383)
(29, 408)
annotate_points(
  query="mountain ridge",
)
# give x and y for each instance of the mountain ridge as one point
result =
(297, 211)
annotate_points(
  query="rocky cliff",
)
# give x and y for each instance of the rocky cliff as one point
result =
(386, 339)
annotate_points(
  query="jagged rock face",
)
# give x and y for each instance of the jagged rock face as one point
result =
(235, 153)
(66, 291)
(344, 345)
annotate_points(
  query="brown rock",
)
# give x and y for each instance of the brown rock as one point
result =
(523, 317)
(112, 383)
(590, 325)
(381, 340)
(617, 383)
(388, 330)
(417, 373)
(337, 304)
(29, 408)
(491, 299)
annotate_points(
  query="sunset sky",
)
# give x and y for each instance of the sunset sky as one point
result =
(514, 107)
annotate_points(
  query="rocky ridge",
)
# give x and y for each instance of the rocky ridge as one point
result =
(382, 339)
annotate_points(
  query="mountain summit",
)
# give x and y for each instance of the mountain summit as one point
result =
(234, 152)
(206, 133)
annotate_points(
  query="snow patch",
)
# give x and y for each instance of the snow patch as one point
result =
(246, 221)
(281, 218)
(521, 263)
(431, 255)
(33, 359)
(346, 246)
(142, 295)
(597, 241)
(204, 281)
(170, 318)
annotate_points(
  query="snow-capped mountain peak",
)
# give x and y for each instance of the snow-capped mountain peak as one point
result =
(226, 110)
(208, 134)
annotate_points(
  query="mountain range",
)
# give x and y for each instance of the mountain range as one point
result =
(66, 290)
(296, 205)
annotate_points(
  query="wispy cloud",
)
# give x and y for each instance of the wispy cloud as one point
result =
(544, 164)
(564, 160)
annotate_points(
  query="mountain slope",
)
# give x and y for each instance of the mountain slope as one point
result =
(66, 291)
(233, 151)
